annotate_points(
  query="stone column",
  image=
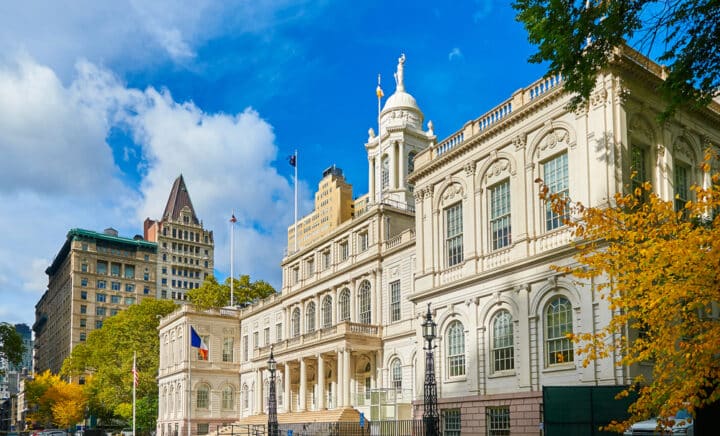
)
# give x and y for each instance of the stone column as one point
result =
(321, 382)
(258, 392)
(303, 386)
(346, 377)
(288, 392)
(340, 402)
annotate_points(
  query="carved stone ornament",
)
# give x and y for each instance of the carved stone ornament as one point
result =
(640, 128)
(395, 271)
(469, 169)
(418, 194)
(519, 141)
(599, 97)
(497, 168)
(682, 149)
(428, 191)
(555, 137)
(453, 190)
(660, 149)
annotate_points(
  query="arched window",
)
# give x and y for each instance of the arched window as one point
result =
(503, 356)
(558, 323)
(411, 162)
(178, 398)
(228, 398)
(396, 374)
(327, 311)
(364, 302)
(344, 302)
(456, 349)
(203, 397)
(385, 172)
(245, 397)
(310, 317)
(295, 324)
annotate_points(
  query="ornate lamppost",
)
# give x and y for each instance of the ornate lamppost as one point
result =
(272, 399)
(430, 409)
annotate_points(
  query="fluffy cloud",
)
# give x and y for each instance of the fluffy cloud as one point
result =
(58, 172)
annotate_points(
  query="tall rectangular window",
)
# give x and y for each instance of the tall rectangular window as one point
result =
(451, 422)
(130, 271)
(344, 251)
(115, 269)
(395, 301)
(498, 420)
(278, 332)
(500, 215)
(682, 185)
(311, 266)
(555, 174)
(227, 353)
(638, 166)
(454, 234)
(245, 348)
(266, 336)
(101, 267)
(256, 340)
(363, 241)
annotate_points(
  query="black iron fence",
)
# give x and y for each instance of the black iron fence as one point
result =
(376, 428)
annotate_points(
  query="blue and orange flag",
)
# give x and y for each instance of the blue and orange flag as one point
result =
(197, 342)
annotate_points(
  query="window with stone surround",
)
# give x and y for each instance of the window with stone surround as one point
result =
(500, 215)
(344, 305)
(498, 420)
(451, 422)
(364, 303)
(558, 323)
(455, 349)
(326, 311)
(453, 234)
(555, 177)
(203, 396)
(503, 357)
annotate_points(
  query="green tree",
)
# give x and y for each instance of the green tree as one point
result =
(578, 38)
(657, 269)
(213, 295)
(107, 356)
(11, 345)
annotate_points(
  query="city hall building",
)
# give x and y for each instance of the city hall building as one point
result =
(455, 227)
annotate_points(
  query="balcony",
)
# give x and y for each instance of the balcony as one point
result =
(344, 331)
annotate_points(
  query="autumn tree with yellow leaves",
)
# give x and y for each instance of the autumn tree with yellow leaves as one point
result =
(658, 265)
(55, 402)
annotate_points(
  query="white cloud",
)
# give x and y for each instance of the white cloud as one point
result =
(132, 33)
(454, 54)
(58, 172)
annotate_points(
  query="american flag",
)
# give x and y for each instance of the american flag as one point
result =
(135, 375)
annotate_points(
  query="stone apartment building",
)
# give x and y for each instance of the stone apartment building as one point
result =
(93, 276)
(456, 227)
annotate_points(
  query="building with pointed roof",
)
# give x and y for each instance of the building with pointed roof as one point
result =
(185, 248)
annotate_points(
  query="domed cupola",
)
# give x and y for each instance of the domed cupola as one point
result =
(401, 109)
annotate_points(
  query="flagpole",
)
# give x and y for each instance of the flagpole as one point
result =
(134, 386)
(232, 263)
(189, 336)
(380, 94)
(296, 199)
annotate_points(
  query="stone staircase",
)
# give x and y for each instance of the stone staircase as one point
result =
(243, 426)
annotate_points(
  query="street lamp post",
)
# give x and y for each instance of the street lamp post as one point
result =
(272, 401)
(430, 410)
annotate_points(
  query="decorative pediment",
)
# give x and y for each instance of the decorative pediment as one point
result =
(453, 192)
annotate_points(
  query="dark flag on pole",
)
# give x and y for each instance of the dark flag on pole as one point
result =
(233, 219)
(292, 160)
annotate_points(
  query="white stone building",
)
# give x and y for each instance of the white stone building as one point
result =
(458, 225)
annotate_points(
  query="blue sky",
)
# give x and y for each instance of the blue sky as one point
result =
(103, 104)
